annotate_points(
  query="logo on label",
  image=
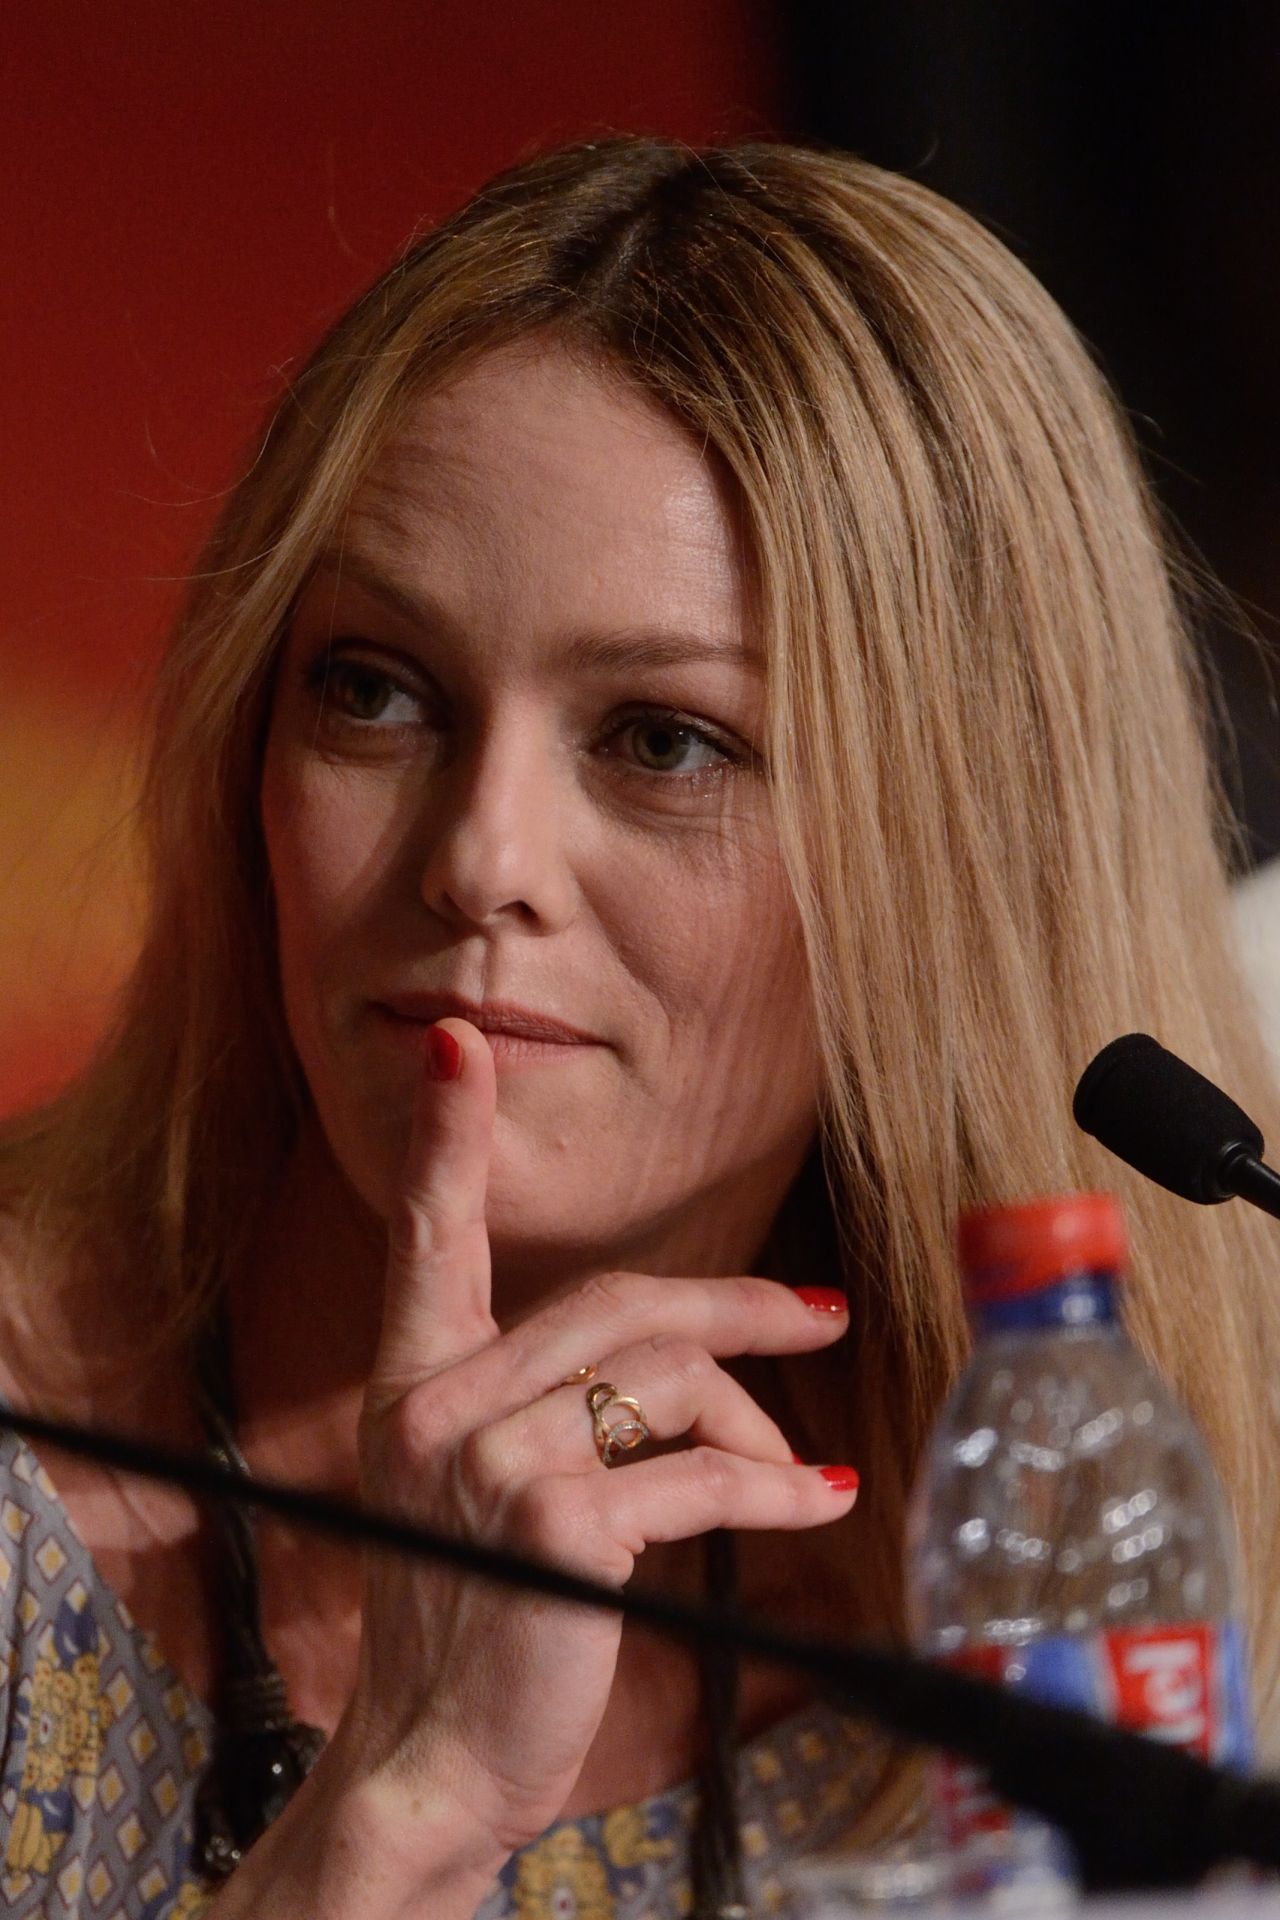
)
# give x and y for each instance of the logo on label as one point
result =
(1161, 1684)
(1182, 1683)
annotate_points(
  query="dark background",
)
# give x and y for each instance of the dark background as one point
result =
(191, 194)
(1131, 156)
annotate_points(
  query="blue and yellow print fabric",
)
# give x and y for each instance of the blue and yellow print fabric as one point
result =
(103, 1748)
(102, 1744)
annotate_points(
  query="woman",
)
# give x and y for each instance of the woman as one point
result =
(680, 749)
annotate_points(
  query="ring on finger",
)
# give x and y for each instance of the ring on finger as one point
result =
(615, 1437)
(580, 1378)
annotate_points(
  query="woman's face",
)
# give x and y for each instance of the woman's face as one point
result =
(514, 763)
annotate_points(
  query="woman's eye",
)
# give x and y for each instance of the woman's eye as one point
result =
(666, 743)
(366, 695)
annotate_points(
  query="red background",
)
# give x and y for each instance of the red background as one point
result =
(192, 196)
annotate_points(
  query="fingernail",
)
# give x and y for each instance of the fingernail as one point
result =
(444, 1055)
(796, 1461)
(824, 1299)
(843, 1479)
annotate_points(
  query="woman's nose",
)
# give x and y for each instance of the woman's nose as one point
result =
(495, 835)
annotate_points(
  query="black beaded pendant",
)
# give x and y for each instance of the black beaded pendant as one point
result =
(260, 1759)
(261, 1754)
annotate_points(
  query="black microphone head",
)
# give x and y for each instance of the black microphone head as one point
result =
(1162, 1117)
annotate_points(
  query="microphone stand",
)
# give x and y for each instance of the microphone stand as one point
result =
(1241, 1174)
(1139, 1814)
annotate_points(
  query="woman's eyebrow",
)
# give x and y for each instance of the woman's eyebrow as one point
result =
(655, 647)
(412, 604)
(587, 652)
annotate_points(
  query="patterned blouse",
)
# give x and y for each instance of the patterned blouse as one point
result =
(103, 1747)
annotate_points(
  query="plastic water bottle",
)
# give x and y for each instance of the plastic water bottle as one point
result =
(1068, 1534)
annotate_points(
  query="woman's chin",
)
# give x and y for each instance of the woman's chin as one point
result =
(555, 1203)
(529, 1236)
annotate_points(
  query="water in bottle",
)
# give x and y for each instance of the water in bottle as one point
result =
(1068, 1534)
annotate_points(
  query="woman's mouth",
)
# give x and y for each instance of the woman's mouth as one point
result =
(518, 1036)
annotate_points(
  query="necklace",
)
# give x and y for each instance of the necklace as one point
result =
(261, 1754)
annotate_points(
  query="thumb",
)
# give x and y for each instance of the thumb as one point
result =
(437, 1300)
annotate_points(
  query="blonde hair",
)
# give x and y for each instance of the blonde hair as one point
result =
(987, 745)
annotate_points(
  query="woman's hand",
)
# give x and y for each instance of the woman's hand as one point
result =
(469, 1695)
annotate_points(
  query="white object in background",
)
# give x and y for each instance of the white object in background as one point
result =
(1256, 899)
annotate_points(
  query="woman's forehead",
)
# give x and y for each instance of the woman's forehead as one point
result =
(548, 469)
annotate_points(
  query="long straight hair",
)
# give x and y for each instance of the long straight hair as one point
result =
(988, 750)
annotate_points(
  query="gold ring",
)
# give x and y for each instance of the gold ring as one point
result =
(580, 1378)
(617, 1436)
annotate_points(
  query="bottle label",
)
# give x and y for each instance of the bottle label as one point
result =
(1183, 1682)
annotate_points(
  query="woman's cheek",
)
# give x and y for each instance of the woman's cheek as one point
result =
(717, 960)
(326, 832)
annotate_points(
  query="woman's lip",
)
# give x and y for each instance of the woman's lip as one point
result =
(495, 1017)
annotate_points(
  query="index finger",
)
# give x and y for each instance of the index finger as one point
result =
(437, 1299)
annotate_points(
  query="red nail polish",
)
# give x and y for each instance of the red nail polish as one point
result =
(824, 1299)
(796, 1461)
(444, 1055)
(843, 1479)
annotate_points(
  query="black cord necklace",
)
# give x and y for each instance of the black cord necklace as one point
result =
(261, 1754)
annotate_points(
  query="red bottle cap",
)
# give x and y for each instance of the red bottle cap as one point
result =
(1006, 1251)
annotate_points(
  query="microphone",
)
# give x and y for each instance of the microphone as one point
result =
(1163, 1118)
